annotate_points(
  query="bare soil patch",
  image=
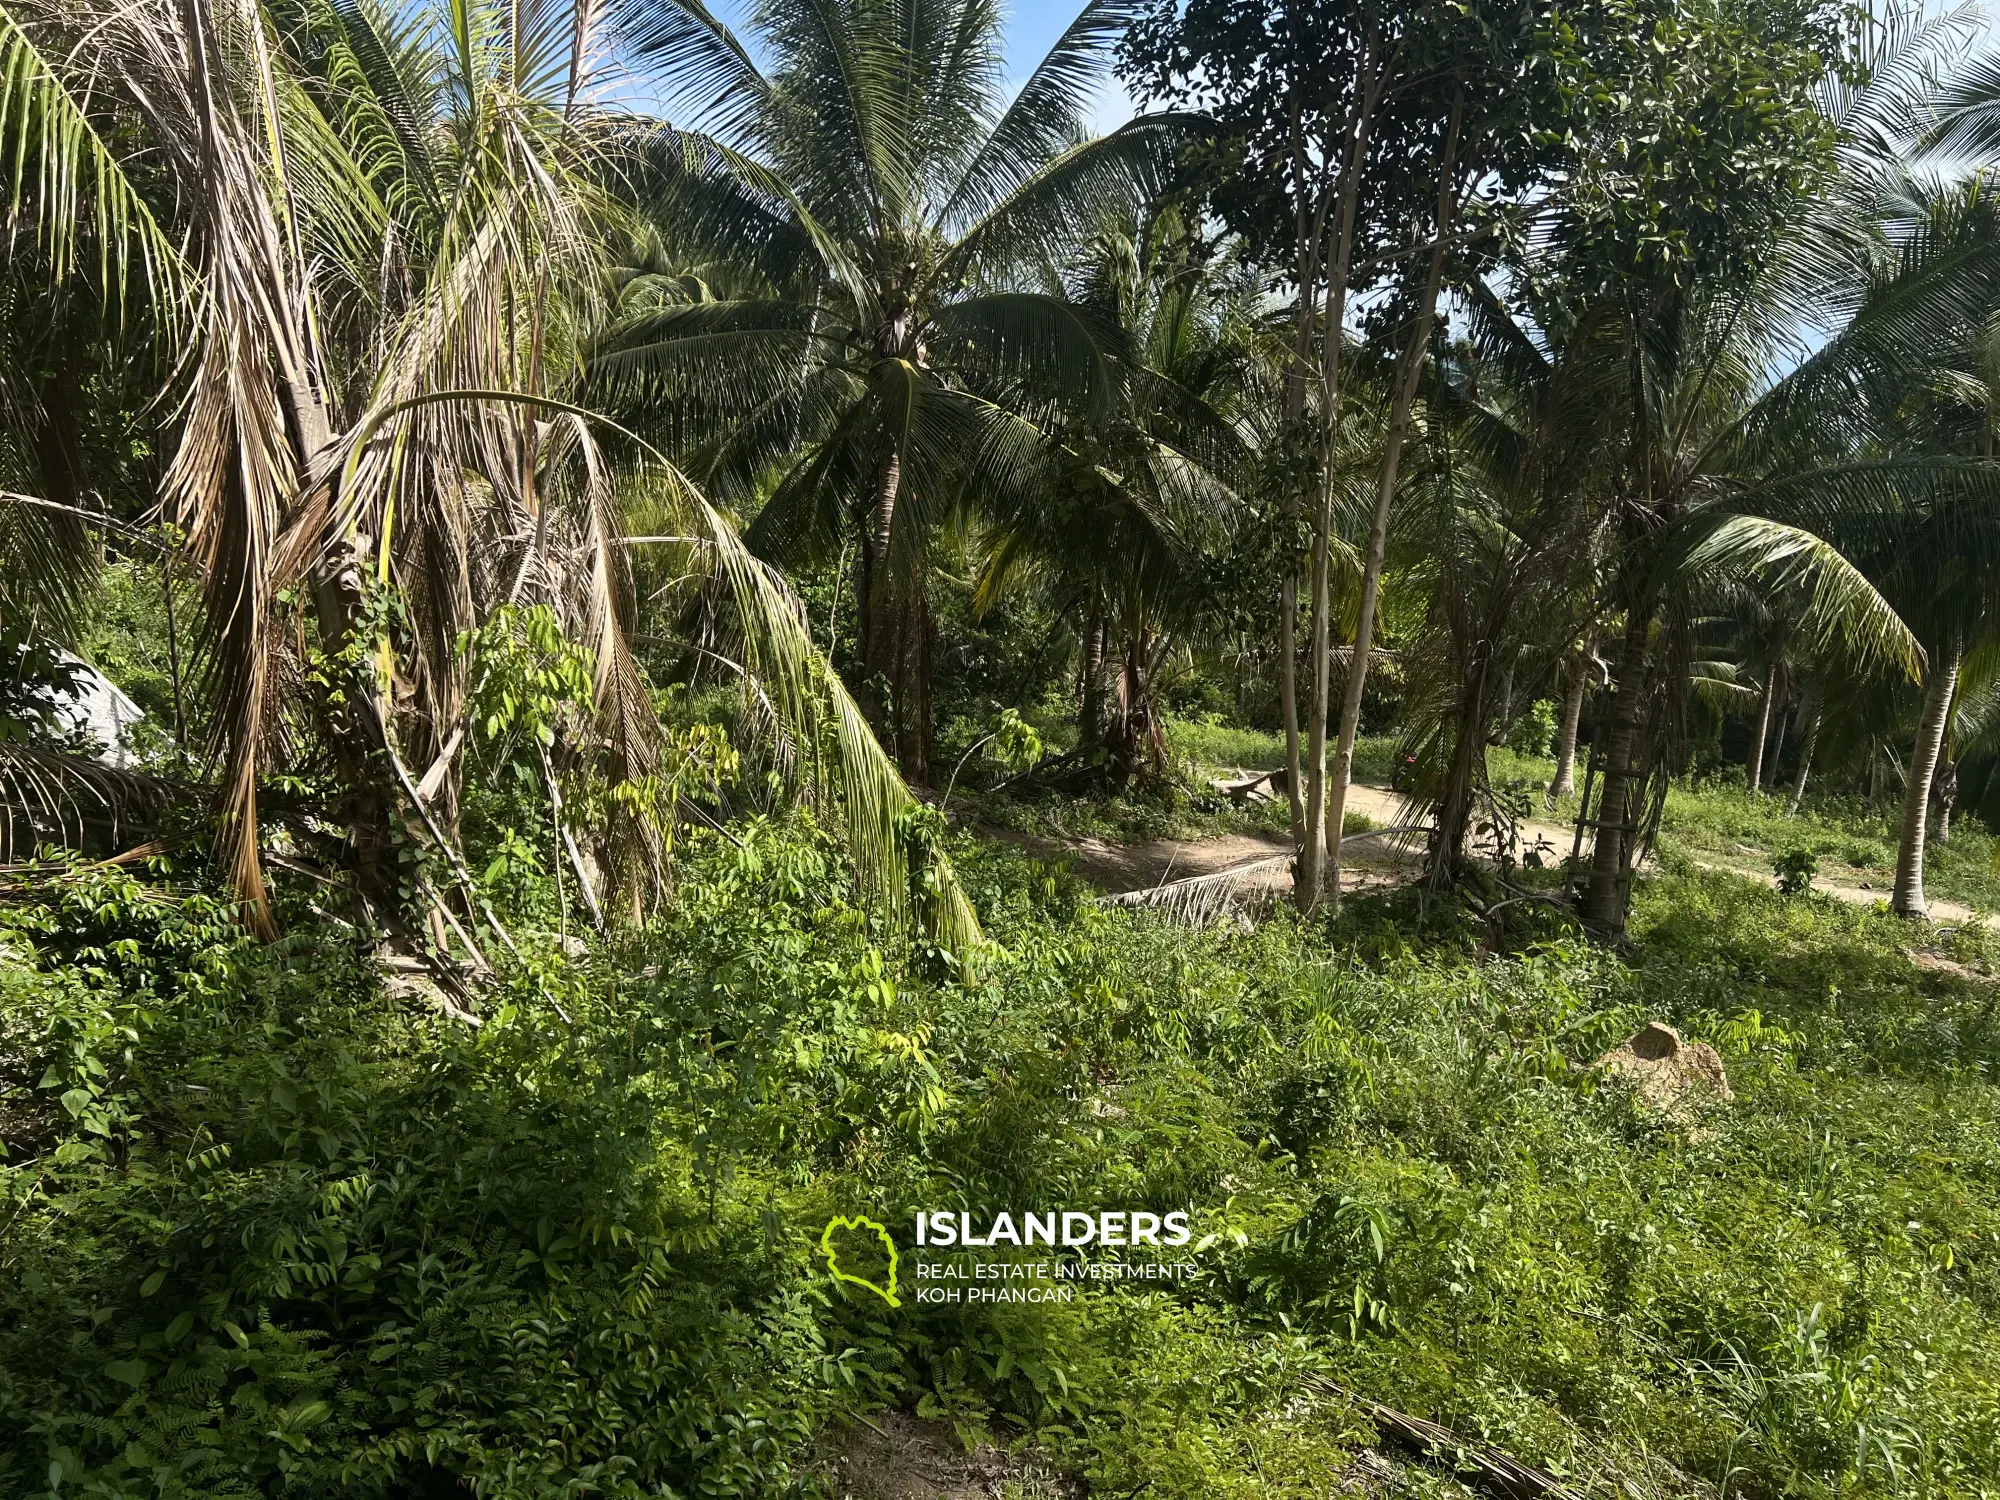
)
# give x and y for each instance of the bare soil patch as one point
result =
(892, 1455)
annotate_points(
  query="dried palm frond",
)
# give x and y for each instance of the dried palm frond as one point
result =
(1200, 899)
(53, 797)
(387, 251)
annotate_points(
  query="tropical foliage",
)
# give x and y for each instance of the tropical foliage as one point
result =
(547, 545)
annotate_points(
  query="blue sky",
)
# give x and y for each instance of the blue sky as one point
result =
(1032, 28)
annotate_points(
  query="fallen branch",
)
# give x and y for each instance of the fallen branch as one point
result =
(1486, 1468)
(1240, 791)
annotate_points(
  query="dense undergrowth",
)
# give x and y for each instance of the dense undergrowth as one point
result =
(271, 1232)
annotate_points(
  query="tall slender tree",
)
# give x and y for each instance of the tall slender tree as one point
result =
(1360, 133)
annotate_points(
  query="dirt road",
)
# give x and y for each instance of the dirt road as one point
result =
(1124, 868)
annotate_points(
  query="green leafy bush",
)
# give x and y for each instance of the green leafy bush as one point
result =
(1534, 732)
(1796, 869)
(275, 1230)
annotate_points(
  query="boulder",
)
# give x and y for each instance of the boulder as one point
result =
(1664, 1069)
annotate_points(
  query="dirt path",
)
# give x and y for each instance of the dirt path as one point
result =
(1939, 910)
(1123, 868)
(1385, 807)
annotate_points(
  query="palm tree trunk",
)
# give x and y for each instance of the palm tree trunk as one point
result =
(1564, 784)
(1774, 753)
(881, 641)
(368, 796)
(913, 692)
(1127, 734)
(1604, 901)
(1753, 768)
(882, 523)
(1504, 726)
(1139, 740)
(1908, 900)
(1947, 798)
(1409, 370)
(1454, 804)
(1090, 712)
(1805, 761)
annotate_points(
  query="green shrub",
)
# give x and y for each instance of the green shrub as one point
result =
(1209, 742)
(1534, 732)
(1796, 870)
(276, 1231)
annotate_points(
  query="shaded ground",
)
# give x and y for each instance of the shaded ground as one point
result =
(1119, 868)
(1365, 861)
(892, 1455)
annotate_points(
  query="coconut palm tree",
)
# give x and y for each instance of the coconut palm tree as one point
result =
(887, 353)
(1939, 558)
(1506, 532)
(1138, 497)
(374, 239)
(1743, 455)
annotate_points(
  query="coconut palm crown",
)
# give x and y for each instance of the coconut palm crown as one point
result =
(881, 352)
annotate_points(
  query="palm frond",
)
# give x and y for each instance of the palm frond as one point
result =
(1072, 195)
(1046, 118)
(1839, 605)
(64, 178)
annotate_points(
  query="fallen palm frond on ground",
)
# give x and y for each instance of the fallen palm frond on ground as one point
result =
(1482, 1466)
(1200, 899)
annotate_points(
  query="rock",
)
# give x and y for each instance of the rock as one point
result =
(1665, 1070)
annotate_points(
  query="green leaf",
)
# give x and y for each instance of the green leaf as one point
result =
(303, 1414)
(152, 1283)
(130, 1372)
